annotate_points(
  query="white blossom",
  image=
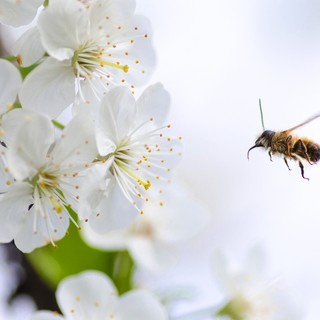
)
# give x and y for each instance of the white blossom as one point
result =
(92, 46)
(154, 237)
(34, 211)
(18, 12)
(135, 155)
(92, 295)
(249, 294)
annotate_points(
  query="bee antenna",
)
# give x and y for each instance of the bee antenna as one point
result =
(261, 115)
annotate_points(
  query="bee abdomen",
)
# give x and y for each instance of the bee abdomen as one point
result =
(307, 149)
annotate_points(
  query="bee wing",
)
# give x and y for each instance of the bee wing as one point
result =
(303, 123)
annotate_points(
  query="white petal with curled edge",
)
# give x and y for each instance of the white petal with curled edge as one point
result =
(28, 48)
(46, 315)
(113, 212)
(115, 118)
(13, 208)
(89, 295)
(63, 27)
(29, 146)
(18, 13)
(10, 82)
(77, 147)
(138, 305)
(49, 88)
(153, 103)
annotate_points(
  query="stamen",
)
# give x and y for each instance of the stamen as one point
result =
(146, 184)
(124, 68)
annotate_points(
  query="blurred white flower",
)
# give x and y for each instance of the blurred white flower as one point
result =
(155, 236)
(34, 209)
(18, 13)
(135, 155)
(248, 295)
(94, 44)
(92, 295)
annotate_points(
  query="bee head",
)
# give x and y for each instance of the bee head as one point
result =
(264, 140)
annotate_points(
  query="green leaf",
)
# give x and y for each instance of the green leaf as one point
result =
(72, 255)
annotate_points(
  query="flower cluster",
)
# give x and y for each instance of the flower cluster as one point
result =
(98, 169)
(101, 167)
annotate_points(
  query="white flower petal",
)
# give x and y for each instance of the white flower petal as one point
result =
(93, 189)
(151, 254)
(113, 212)
(63, 27)
(13, 208)
(13, 121)
(46, 315)
(29, 146)
(181, 216)
(138, 305)
(77, 147)
(49, 89)
(121, 11)
(141, 58)
(28, 47)
(18, 13)
(10, 82)
(49, 229)
(111, 240)
(153, 103)
(86, 100)
(115, 118)
(88, 295)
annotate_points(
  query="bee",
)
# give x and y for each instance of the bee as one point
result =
(291, 147)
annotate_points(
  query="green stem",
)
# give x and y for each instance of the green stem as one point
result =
(58, 124)
(123, 267)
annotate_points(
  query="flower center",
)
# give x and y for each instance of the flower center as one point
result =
(124, 159)
(46, 185)
(90, 58)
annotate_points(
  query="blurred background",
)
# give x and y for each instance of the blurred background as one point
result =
(217, 58)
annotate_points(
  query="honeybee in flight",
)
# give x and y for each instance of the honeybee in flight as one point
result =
(290, 146)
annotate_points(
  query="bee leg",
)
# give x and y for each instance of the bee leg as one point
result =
(286, 162)
(288, 145)
(302, 170)
(270, 155)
